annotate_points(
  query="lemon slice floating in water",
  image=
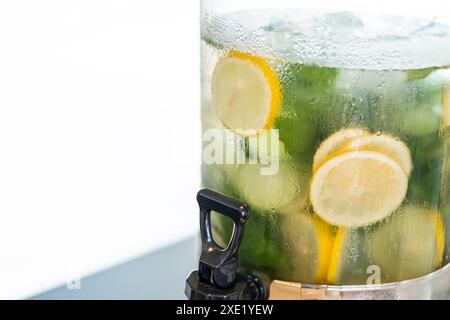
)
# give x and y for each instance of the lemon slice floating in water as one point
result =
(308, 242)
(245, 93)
(336, 251)
(386, 145)
(358, 188)
(349, 263)
(336, 143)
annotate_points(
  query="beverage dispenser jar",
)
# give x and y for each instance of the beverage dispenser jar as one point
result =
(326, 131)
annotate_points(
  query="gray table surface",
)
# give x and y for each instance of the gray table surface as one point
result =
(160, 275)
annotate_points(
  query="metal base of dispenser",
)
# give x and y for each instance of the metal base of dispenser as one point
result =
(434, 286)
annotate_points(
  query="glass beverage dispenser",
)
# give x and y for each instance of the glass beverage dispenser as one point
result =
(330, 120)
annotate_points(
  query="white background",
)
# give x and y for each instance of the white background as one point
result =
(100, 131)
(99, 135)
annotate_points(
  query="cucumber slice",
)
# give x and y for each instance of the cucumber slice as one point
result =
(307, 107)
(270, 193)
(409, 245)
(421, 121)
(419, 74)
(415, 108)
(425, 184)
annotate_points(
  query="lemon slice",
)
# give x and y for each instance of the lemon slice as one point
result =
(245, 93)
(409, 245)
(308, 241)
(440, 241)
(387, 145)
(325, 238)
(348, 259)
(350, 262)
(334, 264)
(358, 188)
(335, 143)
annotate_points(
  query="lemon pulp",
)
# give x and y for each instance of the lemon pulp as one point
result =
(358, 188)
(246, 93)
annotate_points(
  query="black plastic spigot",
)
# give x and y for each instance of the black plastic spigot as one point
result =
(217, 277)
